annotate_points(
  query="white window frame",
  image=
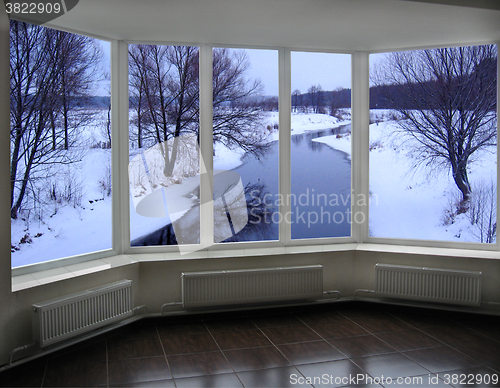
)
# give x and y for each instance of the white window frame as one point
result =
(359, 238)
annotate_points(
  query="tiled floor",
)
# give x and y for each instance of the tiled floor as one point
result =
(340, 344)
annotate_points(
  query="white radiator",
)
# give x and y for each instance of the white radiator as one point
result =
(213, 288)
(62, 318)
(428, 284)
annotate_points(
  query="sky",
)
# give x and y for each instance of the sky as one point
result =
(331, 71)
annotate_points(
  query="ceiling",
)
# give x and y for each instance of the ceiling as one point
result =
(347, 25)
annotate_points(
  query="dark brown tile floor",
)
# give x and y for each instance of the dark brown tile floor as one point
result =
(334, 345)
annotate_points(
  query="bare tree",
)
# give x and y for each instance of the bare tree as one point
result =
(236, 122)
(296, 99)
(164, 86)
(316, 97)
(78, 63)
(448, 104)
(36, 60)
(483, 211)
(335, 103)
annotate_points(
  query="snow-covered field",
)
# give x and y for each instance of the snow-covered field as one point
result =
(405, 203)
(411, 203)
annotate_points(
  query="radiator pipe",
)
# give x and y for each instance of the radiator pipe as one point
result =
(19, 349)
(171, 304)
(363, 290)
(141, 307)
(332, 292)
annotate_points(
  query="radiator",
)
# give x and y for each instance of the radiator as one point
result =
(62, 318)
(428, 284)
(213, 288)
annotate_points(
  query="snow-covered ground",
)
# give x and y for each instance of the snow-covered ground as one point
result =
(411, 203)
(405, 203)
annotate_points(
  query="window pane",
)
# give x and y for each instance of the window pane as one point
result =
(433, 138)
(245, 131)
(164, 159)
(321, 145)
(60, 144)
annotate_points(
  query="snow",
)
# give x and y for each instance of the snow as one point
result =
(340, 142)
(74, 230)
(409, 203)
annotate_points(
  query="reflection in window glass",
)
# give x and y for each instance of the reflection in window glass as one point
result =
(60, 144)
(164, 159)
(245, 132)
(321, 145)
(433, 138)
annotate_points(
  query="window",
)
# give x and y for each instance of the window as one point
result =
(320, 200)
(433, 137)
(60, 144)
(432, 146)
(164, 162)
(245, 134)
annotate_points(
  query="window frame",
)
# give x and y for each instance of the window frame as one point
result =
(477, 246)
(359, 238)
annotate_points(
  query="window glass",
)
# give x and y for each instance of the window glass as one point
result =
(245, 133)
(433, 136)
(164, 154)
(60, 144)
(320, 200)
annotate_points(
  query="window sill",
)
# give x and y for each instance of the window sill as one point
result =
(35, 279)
(26, 281)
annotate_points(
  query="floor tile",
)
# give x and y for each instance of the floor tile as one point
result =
(276, 320)
(135, 331)
(185, 328)
(314, 317)
(183, 344)
(472, 343)
(30, 375)
(223, 381)
(241, 339)
(341, 327)
(486, 325)
(331, 374)
(220, 326)
(198, 364)
(365, 345)
(441, 359)
(138, 370)
(377, 322)
(124, 349)
(146, 384)
(92, 351)
(72, 373)
(409, 340)
(390, 365)
(276, 377)
(310, 352)
(290, 334)
(420, 321)
(256, 358)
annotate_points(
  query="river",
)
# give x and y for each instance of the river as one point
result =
(320, 188)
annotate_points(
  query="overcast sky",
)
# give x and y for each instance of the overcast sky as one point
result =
(331, 71)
